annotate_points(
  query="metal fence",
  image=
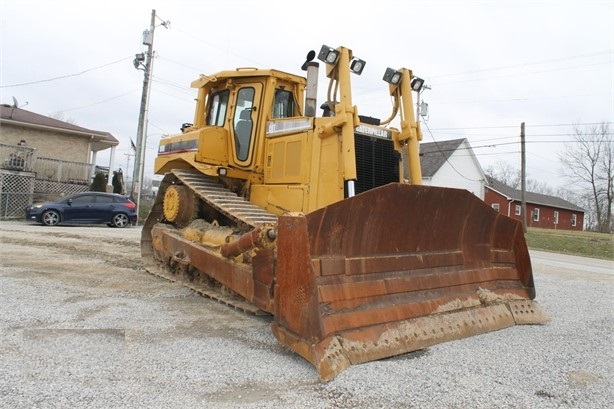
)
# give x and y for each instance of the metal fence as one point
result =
(25, 159)
(16, 191)
(17, 157)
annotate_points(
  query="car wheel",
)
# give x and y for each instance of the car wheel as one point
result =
(50, 218)
(120, 220)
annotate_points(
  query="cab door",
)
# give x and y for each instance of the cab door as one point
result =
(245, 122)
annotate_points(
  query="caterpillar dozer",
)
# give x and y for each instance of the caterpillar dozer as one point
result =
(323, 222)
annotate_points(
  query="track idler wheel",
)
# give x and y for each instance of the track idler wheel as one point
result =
(178, 205)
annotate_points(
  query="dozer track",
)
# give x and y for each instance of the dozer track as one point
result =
(244, 214)
(223, 200)
(352, 282)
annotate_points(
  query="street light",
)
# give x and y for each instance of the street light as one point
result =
(138, 61)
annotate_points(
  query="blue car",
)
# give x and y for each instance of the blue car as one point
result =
(111, 209)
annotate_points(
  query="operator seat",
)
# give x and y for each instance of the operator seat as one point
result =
(243, 132)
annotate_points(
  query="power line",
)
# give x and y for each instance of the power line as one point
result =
(498, 145)
(516, 126)
(516, 74)
(594, 54)
(65, 76)
(502, 137)
(523, 99)
(212, 45)
(446, 158)
(495, 145)
(181, 64)
(183, 89)
(100, 102)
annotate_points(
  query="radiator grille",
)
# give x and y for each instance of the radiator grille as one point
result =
(377, 163)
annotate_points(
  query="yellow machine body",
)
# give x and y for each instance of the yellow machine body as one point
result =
(322, 222)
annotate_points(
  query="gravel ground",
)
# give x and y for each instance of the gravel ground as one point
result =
(83, 325)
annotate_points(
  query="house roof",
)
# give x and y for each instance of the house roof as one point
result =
(535, 198)
(433, 155)
(10, 114)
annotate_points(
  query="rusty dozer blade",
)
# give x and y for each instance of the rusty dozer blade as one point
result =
(397, 269)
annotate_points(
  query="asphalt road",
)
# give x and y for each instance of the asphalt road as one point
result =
(574, 263)
(82, 325)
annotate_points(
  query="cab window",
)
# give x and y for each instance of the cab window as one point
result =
(243, 122)
(217, 108)
(283, 105)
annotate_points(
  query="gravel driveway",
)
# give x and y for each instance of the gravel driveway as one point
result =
(82, 325)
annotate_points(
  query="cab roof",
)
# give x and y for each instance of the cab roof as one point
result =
(246, 73)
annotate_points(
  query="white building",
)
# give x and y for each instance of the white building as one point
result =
(452, 164)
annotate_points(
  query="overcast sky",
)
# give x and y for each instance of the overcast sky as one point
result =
(491, 65)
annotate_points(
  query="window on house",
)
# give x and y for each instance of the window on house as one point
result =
(495, 206)
(536, 214)
(518, 210)
(556, 217)
(573, 220)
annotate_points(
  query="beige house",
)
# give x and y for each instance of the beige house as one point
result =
(42, 158)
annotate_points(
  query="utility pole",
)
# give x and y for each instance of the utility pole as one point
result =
(141, 137)
(128, 155)
(523, 180)
(420, 110)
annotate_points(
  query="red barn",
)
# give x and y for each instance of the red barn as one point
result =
(548, 212)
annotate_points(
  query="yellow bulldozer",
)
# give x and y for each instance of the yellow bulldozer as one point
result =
(322, 221)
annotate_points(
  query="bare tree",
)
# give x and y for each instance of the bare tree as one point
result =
(505, 173)
(536, 186)
(588, 164)
(59, 115)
